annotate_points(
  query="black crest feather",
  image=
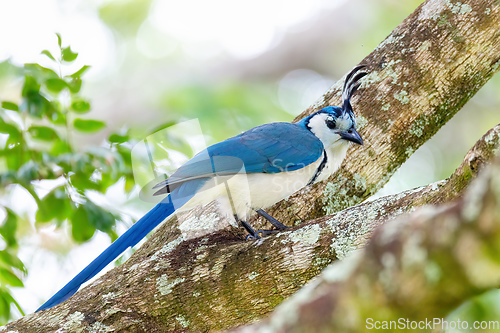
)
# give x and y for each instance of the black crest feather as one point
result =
(351, 85)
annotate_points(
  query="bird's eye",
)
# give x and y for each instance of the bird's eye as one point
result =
(330, 122)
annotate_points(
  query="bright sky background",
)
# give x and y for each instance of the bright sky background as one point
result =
(250, 29)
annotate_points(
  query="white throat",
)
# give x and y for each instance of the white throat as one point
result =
(335, 155)
(335, 146)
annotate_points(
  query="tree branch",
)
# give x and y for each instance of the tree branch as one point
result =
(420, 76)
(420, 266)
(215, 282)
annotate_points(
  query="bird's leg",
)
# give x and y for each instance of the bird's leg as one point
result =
(252, 233)
(278, 225)
(256, 234)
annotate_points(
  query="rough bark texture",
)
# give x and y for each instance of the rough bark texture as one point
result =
(215, 282)
(420, 76)
(191, 277)
(419, 266)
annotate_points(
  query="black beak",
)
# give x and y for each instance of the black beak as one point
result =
(352, 135)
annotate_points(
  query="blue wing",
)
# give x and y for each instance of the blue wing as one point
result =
(269, 148)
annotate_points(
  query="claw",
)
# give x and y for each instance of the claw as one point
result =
(253, 237)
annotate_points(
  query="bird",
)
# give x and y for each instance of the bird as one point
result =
(246, 174)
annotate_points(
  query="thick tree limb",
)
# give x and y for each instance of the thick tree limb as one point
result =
(418, 267)
(420, 76)
(210, 283)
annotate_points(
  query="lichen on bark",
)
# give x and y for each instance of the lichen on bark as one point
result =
(417, 267)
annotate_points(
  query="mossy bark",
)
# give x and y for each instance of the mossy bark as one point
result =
(420, 76)
(215, 282)
(418, 267)
(209, 278)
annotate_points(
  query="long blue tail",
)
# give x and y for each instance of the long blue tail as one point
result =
(131, 237)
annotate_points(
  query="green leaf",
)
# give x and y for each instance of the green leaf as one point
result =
(48, 54)
(35, 104)
(60, 147)
(11, 129)
(44, 214)
(56, 85)
(43, 133)
(81, 229)
(129, 184)
(82, 182)
(163, 126)
(28, 171)
(100, 218)
(10, 106)
(5, 298)
(9, 227)
(117, 138)
(9, 278)
(13, 154)
(13, 301)
(55, 205)
(8, 260)
(125, 153)
(88, 125)
(59, 39)
(30, 86)
(68, 55)
(56, 116)
(80, 106)
(39, 72)
(75, 85)
(79, 72)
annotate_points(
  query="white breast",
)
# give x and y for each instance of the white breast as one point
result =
(242, 194)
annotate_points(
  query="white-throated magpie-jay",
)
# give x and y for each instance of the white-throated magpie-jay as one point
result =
(271, 162)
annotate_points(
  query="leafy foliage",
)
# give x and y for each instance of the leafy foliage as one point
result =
(38, 146)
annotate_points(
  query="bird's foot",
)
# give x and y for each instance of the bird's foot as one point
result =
(263, 233)
(253, 236)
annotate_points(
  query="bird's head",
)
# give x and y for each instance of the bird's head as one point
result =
(337, 125)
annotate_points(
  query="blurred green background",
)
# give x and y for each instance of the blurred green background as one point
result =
(231, 65)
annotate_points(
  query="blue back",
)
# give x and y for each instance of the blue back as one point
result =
(269, 148)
